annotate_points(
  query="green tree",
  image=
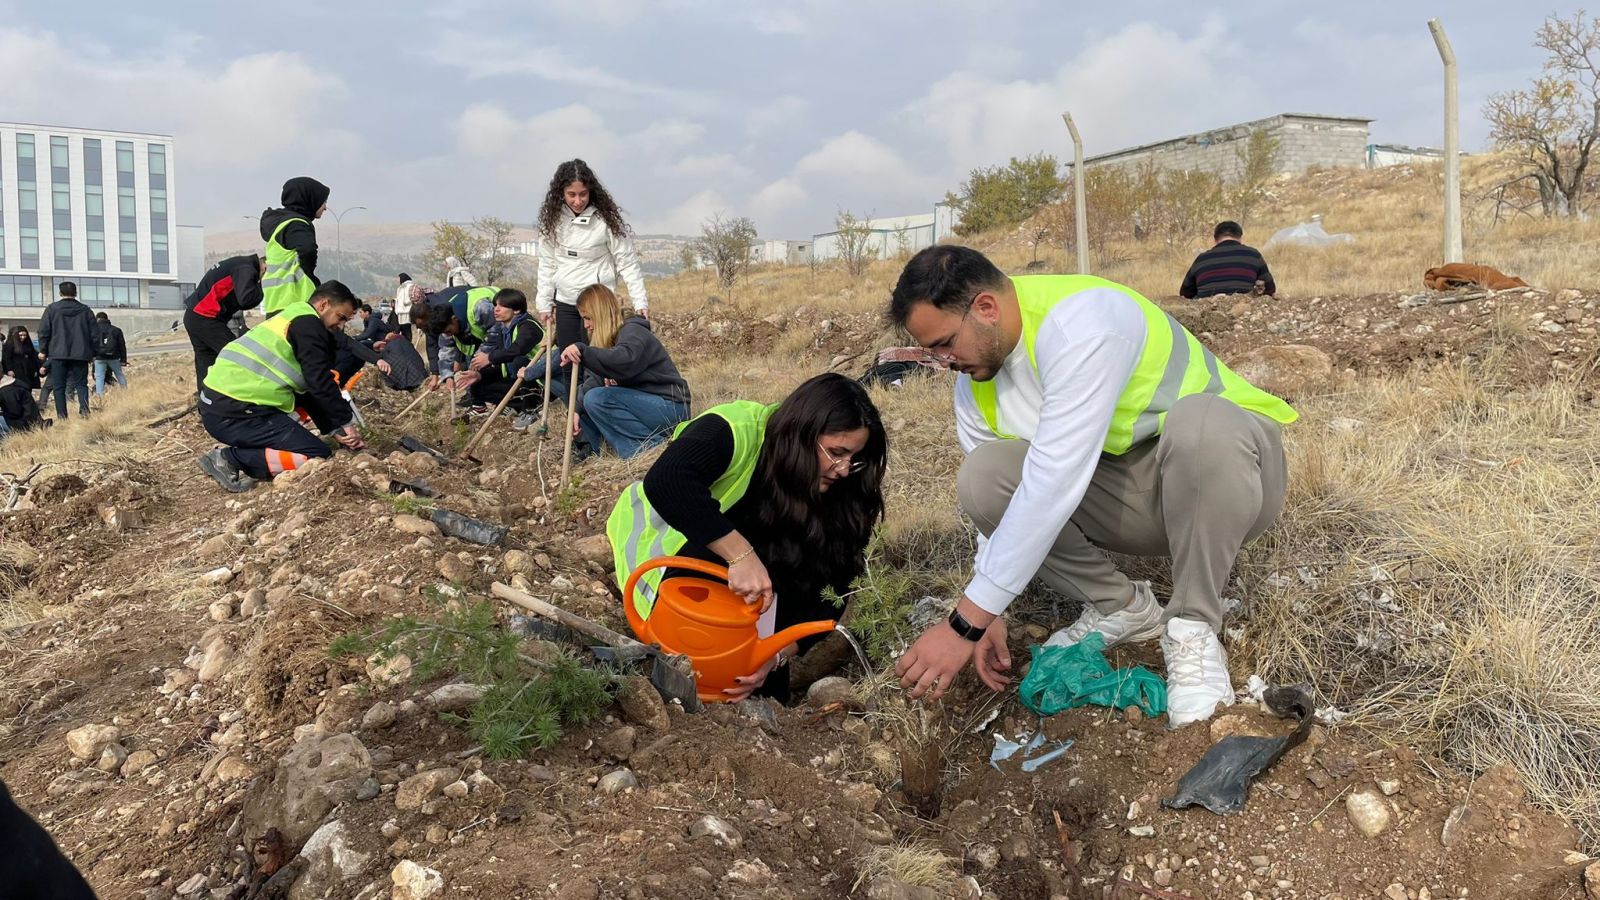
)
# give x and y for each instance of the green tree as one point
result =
(1553, 125)
(451, 239)
(1000, 196)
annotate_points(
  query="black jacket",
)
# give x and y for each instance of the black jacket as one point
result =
(18, 407)
(301, 199)
(315, 348)
(31, 865)
(109, 343)
(375, 330)
(636, 360)
(67, 331)
(231, 286)
(509, 346)
(23, 362)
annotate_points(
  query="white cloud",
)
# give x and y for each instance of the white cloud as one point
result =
(849, 171)
(239, 130)
(773, 115)
(714, 167)
(481, 56)
(688, 216)
(1141, 83)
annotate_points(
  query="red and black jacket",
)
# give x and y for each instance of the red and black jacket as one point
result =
(231, 286)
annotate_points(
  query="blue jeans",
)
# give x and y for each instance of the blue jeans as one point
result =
(630, 421)
(101, 366)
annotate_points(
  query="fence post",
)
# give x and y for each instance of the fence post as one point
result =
(1079, 177)
(1452, 156)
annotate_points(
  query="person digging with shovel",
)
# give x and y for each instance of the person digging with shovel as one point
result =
(250, 395)
(504, 353)
(786, 496)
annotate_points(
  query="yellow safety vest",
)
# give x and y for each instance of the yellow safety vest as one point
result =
(260, 367)
(638, 533)
(1172, 365)
(283, 282)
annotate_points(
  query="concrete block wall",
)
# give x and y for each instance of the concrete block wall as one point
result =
(1304, 143)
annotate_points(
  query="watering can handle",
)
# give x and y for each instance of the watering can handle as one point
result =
(669, 562)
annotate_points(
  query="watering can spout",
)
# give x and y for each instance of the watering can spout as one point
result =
(769, 647)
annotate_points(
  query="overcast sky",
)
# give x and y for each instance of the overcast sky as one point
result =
(784, 112)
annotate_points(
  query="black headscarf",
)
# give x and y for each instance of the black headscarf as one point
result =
(304, 196)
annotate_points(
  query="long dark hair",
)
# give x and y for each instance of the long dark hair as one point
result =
(16, 332)
(820, 533)
(599, 198)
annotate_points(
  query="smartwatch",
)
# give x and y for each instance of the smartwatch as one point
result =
(964, 628)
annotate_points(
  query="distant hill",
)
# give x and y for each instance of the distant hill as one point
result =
(372, 255)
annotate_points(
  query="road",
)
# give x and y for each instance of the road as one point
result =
(153, 349)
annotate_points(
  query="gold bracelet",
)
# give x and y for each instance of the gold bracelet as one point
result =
(740, 558)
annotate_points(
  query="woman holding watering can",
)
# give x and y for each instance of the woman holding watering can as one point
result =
(786, 496)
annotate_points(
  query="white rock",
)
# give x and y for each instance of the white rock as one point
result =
(617, 782)
(218, 576)
(1368, 812)
(749, 871)
(720, 832)
(88, 741)
(414, 882)
(1389, 788)
(454, 697)
(192, 885)
(380, 715)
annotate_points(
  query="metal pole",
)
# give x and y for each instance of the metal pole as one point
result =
(1452, 155)
(1079, 204)
(338, 236)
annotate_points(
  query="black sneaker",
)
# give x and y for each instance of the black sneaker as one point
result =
(216, 464)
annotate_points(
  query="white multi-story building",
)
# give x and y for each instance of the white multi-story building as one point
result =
(96, 208)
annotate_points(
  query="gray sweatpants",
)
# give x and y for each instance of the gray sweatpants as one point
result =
(1211, 481)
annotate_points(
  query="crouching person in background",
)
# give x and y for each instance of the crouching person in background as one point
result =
(18, 411)
(250, 395)
(504, 352)
(631, 396)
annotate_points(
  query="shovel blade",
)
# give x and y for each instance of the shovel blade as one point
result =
(673, 678)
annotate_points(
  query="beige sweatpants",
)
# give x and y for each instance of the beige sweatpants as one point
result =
(1211, 481)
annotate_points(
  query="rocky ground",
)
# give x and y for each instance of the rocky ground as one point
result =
(174, 716)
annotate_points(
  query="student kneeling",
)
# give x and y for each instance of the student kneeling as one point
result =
(250, 394)
(631, 396)
(503, 353)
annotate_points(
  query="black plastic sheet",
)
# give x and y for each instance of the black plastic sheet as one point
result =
(1220, 781)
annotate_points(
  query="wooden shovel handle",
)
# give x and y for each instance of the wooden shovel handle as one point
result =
(557, 614)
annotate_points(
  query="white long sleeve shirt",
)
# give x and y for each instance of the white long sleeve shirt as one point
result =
(585, 252)
(1062, 403)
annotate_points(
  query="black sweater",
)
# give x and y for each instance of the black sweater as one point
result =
(23, 362)
(678, 487)
(109, 343)
(315, 348)
(301, 199)
(231, 286)
(18, 407)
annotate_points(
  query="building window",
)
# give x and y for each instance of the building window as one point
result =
(94, 203)
(109, 292)
(21, 290)
(158, 251)
(28, 201)
(61, 201)
(127, 214)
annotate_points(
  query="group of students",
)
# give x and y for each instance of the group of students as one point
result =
(73, 339)
(1090, 420)
(259, 390)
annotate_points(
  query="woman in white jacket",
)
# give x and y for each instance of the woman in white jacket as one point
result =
(402, 305)
(582, 241)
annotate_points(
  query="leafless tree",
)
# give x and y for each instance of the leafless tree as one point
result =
(1554, 123)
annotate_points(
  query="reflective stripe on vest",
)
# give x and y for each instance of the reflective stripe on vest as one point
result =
(637, 532)
(284, 281)
(260, 367)
(468, 301)
(1173, 364)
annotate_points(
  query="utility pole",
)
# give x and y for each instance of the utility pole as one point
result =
(338, 236)
(1079, 205)
(1452, 155)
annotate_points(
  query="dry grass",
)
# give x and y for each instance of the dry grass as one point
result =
(1435, 572)
(912, 863)
(158, 385)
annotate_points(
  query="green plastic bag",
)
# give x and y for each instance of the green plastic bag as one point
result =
(1068, 677)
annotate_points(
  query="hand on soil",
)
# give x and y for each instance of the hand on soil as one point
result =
(993, 657)
(931, 665)
(349, 438)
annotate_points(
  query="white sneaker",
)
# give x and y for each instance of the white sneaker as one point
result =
(1197, 672)
(1140, 620)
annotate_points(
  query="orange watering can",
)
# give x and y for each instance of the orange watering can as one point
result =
(707, 622)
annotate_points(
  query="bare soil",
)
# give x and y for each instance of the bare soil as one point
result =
(126, 617)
